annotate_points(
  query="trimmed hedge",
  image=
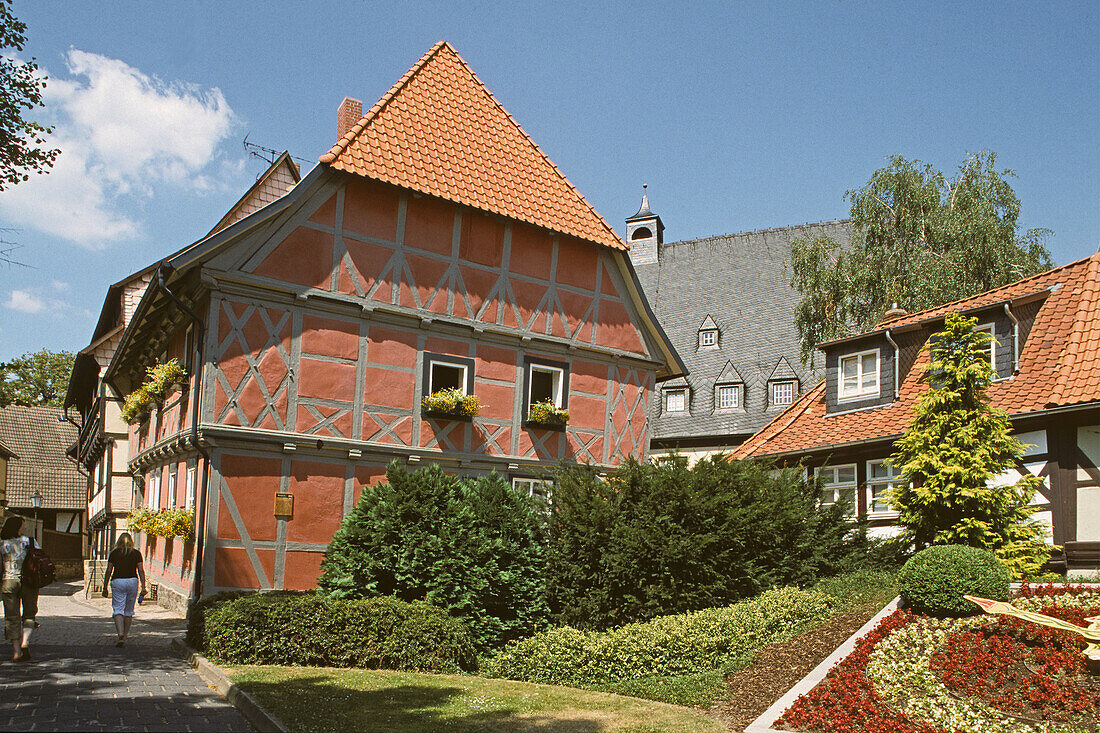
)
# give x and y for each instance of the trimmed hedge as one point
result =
(661, 538)
(308, 629)
(473, 546)
(935, 580)
(670, 645)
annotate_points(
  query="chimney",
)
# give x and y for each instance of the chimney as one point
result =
(349, 112)
(893, 314)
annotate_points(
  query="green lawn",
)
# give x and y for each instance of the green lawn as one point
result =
(326, 699)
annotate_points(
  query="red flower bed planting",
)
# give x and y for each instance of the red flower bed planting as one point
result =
(1000, 668)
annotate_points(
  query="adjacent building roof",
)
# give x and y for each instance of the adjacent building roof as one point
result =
(39, 440)
(741, 285)
(1059, 367)
(440, 131)
(281, 176)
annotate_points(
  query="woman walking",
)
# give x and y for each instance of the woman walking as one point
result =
(20, 599)
(124, 568)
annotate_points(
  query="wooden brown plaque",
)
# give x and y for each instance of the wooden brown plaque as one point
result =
(284, 505)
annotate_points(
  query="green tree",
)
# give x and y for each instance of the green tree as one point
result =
(21, 140)
(663, 538)
(954, 446)
(919, 239)
(40, 378)
(473, 546)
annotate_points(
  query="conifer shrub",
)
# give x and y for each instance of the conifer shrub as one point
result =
(936, 579)
(955, 446)
(472, 546)
(662, 538)
(309, 629)
(666, 646)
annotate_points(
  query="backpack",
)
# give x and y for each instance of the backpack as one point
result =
(38, 568)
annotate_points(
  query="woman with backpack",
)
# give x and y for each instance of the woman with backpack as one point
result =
(123, 570)
(20, 599)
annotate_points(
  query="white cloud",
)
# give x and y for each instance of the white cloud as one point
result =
(121, 132)
(24, 302)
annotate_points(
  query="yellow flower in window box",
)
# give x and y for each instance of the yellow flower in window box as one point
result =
(548, 414)
(451, 403)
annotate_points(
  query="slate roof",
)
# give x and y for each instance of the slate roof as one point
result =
(440, 131)
(742, 283)
(40, 441)
(1059, 366)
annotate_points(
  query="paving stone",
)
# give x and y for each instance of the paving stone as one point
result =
(78, 680)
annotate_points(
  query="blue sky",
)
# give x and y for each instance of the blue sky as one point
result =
(738, 115)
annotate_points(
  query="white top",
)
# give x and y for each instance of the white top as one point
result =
(14, 550)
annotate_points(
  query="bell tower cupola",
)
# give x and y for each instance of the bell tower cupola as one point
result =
(644, 233)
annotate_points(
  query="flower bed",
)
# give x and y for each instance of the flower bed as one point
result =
(981, 673)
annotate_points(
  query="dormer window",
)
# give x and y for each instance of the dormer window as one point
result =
(675, 400)
(859, 375)
(783, 393)
(729, 396)
(708, 334)
(989, 351)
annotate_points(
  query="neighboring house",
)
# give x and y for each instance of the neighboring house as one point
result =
(727, 304)
(6, 454)
(1046, 356)
(103, 448)
(435, 246)
(39, 438)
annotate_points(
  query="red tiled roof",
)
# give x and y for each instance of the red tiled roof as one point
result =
(439, 131)
(1059, 366)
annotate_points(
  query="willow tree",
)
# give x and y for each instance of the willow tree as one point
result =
(919, 239)
(954, 449)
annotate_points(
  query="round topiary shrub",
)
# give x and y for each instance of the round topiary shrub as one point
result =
(935, 580)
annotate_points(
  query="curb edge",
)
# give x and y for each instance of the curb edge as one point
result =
(260, 719)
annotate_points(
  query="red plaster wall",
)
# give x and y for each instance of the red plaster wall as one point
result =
(318, 490)
(253, 483)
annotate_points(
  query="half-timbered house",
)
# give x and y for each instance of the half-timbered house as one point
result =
(1046, 357)
(434, 246)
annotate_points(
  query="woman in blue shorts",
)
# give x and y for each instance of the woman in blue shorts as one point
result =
(124, 568)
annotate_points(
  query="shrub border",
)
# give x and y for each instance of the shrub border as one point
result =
(763, 724)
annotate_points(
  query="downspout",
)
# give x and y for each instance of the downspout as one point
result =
(196, 391)
(1015, 339)
(897, 361)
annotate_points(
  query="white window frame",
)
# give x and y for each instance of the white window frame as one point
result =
(889, 482)
(708, 338)
(860, 393)
(992, 331)
(557, 375)
(830, 476)
(738, 396)
(451, 364)
(530, 485)
(173, 484)
(153, 494)
(784, 383)
(682, 392)
(189, 499)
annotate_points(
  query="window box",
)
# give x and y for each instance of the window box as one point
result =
(547, 394)
(546, 414)
(450, 403)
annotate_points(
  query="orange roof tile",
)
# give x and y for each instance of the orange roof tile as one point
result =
(1059, 366)
(439, 131)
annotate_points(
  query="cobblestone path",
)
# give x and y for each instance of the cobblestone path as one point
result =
(77, 680)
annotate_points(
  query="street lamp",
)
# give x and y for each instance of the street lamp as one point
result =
(36, 502)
